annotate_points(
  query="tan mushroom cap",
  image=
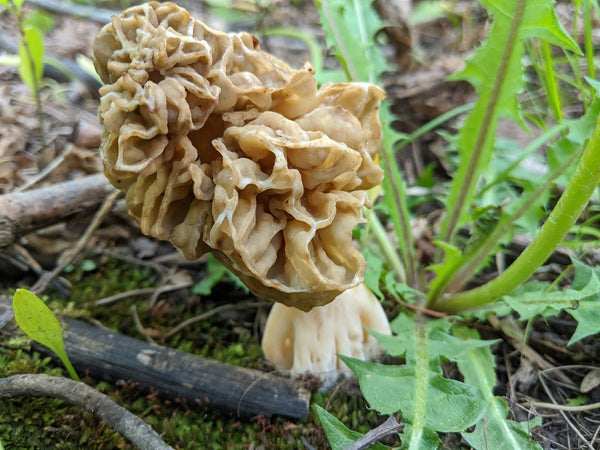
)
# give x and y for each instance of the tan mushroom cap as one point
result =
(221, 147)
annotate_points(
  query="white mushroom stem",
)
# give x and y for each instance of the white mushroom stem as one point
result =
(301, 342)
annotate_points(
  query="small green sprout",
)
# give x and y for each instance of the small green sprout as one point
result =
(40, 324)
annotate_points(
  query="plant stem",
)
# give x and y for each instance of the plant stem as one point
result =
(387, 248)
(474, 262)
(589, 45)
(398, 194)
(562, 218)
(16, 10)
(487, 126)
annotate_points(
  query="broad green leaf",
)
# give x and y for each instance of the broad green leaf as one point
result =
(40, 324)
(496, 73)
(428, 401)
(338, 435)
(4, 3)
(490, 433)
(31, 58)
(494, 430)
(426, 440)
(445, 405)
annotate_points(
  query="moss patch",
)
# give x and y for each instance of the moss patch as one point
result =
(49, 423)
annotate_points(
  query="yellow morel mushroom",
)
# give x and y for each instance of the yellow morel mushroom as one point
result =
(223, 148)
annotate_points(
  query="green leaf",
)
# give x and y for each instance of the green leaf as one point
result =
(350, 27)
(215, 271)
(496, 73)
(338, 435)
(373, 273)
(580, 130)
(31, 58)
(39, 19)
(446, 405)
(581, 301)
(441, 343)
(88, 265)
(426, 440)
(494, 430)
(40, 324)
(444, 270)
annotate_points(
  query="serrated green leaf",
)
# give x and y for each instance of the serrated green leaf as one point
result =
(581, 301)
(31, 58)
(40, 324)
(494, 430)
(496, 73)
(338, 435)
(440, 341)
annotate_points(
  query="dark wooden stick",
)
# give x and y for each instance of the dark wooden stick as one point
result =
(84, 396)
(234, 390)
(26, 211)
(387, 428)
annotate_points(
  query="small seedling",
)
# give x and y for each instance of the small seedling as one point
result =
(31, 54)
(41, 325)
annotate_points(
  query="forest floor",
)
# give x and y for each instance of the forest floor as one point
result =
(119, 259)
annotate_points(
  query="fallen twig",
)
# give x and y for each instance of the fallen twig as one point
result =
(212, 312)
(140, 292)
(562, 412)
(387, 428)
(86, 397)
(175, 374)
(23, 212)
(45, 171)
(44, 280)
(567, 408)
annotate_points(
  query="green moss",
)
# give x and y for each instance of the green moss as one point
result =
(49, 423)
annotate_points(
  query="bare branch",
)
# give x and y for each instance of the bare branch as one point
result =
(390, 426)
(86, 397)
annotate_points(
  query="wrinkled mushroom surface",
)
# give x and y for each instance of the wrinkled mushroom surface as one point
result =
(221, 147)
